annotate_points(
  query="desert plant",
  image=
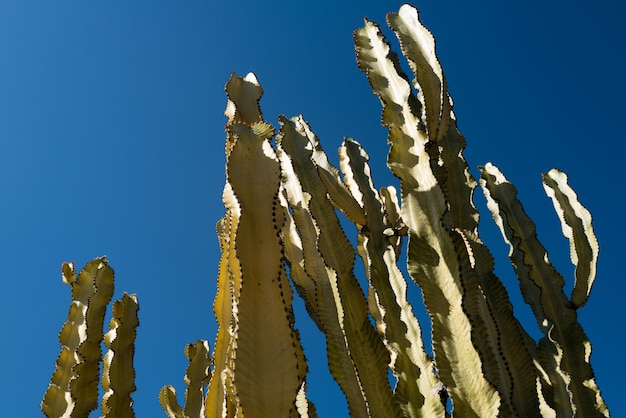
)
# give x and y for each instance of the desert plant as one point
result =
(73, 389)
(282, 198)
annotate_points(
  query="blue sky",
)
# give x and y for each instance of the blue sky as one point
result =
(112, 132)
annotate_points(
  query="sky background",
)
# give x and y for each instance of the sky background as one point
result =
(112, 133)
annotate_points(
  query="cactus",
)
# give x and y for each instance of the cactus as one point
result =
(73, 389)
(282, 230)
(483, 360)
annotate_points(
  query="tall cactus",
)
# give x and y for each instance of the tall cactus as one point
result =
(484, 360)
(282, 228)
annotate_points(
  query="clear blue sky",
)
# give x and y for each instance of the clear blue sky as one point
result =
(112, 132)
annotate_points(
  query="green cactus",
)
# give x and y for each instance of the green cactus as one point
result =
(281, 229)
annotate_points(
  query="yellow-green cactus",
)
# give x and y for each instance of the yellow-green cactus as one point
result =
(73, 389)
(483, 359)
(281, 229)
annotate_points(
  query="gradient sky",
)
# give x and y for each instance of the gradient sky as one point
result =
(111, 143)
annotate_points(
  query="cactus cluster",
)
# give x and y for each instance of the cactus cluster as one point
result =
(282, 231)
(73, 389)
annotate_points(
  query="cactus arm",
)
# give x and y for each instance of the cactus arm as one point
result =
(528, 255)
(577, 228)
(73, 388)
(566, 357)
(500, 195)
(58, 400)
(325, 297)
(413, 368)
(294, 256)
(118, 377)
(496, 334)
(432, 256)
(418, 46)
(503, 344)
(197, 377)
(332, 261)
(505, 347)
(167, 399)
(338, 193)
(317, 284)
(85, 386)
(492, 181)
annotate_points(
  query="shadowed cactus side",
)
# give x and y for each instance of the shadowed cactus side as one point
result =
(281, 229)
